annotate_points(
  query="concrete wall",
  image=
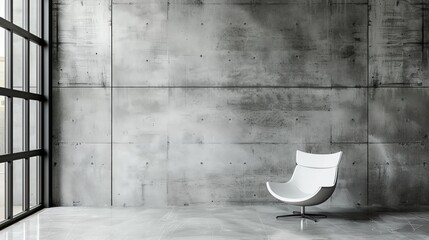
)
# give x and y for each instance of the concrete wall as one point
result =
(186, 102)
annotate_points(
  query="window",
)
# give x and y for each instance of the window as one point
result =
(22, 101)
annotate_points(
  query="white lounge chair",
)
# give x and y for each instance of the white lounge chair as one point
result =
(313, 182)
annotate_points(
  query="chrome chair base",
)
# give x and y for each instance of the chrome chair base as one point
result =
(302, 214)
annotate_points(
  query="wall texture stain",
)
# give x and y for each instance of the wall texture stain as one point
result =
(183, 102)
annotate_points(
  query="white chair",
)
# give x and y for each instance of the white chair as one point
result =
(313, 182)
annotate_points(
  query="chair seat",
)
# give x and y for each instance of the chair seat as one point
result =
(288, 192)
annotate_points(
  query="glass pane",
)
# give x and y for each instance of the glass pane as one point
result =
(2, 190)
(34, 71)
(18, 124)
(2, 8)
(35, 8)
(18, 6)
(34, 124)
(18, 166)
(18, 62)
(33, 181)
(2, 124)
(2, 57)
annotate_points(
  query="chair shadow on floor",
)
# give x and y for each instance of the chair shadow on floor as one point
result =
(369, 214)
(343, 215)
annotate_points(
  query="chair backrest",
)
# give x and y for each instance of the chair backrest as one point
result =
(315, 170)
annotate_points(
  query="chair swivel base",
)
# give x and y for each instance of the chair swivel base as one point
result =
(302, 214)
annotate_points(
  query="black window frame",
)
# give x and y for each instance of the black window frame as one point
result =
(42, 153)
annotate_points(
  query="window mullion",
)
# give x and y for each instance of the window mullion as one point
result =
(26, 15)
(9, 117)
(26, 132)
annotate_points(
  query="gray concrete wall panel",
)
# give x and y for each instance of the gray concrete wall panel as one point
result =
(201, 102)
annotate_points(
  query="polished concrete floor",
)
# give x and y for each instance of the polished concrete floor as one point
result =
(232, 222)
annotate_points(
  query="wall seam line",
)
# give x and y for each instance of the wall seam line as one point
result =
(111, 102)
(367, 100)
(249, 87)
(423, 31)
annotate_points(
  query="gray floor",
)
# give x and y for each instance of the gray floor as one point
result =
(233, 222)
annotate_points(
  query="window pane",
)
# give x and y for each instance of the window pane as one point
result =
(35, 8)
(34, 175)
(34, 124)
(18, 124)
(2, 124)
(34, 71)
(18, 166)
(2, 57)
(18, 62)
(2, 191)
(2, 8)
(18, 6)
